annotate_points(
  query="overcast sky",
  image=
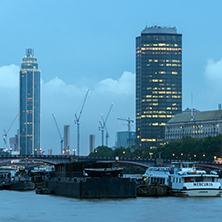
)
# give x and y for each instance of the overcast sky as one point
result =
(84, 45)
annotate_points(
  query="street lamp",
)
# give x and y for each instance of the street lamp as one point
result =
(151, 155)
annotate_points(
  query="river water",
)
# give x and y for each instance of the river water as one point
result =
(28, 206)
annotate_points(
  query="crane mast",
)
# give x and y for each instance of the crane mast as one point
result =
(78, 123)
(102, 132)
(103, 126)
(61, 139)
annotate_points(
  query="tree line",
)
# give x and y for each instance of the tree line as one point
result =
(188, 148)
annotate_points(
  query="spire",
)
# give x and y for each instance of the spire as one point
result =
(29, 52)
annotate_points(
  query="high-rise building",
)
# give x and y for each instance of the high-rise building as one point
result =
(29, 122)
(66, 139)
(91, 143)
(158, 83)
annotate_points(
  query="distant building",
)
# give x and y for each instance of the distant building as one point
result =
(91, 143)
(126, 139)
(158, 83)
(66, 139)
(195, 124)
(14, 142)
(29, 122)
(50, 152)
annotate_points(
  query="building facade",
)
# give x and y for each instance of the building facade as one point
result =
(14, 143)
(91, 143)
(66, 139)
(126, 139)
(158, 83)
(29, 121)
(195, 124)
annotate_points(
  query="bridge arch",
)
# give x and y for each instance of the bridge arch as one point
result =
(2, 162)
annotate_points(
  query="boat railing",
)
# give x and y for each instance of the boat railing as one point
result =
(159, 169)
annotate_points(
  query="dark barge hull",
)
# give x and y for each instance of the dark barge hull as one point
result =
(93, 187)
(152, 190)
(21, 186)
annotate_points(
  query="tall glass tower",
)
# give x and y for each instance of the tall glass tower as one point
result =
(158, 83)
(29, 122)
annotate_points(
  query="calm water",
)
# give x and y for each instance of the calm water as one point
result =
(27, 206)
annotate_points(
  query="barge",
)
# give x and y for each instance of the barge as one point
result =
(71, 180)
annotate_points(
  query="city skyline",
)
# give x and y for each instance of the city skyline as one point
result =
(92, 46)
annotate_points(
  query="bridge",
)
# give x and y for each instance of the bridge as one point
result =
(56, 159)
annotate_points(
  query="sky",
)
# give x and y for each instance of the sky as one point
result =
(88, 44)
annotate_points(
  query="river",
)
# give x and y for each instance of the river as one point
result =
(28, 206)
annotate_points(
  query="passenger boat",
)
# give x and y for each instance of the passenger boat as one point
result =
(186, 180)
(157, 175)
(183, 179)
(103, 172)
(155, 182)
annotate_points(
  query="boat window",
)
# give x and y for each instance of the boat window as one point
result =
(188, 179)
(199, 179)
(180, 180)
(193, 179)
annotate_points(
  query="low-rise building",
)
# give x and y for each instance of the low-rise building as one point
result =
(195, 124)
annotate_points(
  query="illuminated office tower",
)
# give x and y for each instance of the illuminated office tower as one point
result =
(158, 83)
(29, 122)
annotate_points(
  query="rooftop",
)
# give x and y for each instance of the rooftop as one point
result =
(197, 116)
(159, 29)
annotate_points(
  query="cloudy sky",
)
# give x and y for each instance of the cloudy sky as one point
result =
(88, 44)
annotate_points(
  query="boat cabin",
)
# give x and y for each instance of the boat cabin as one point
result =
(76, 169)
(183, 166)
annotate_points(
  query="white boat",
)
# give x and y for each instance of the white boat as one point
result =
(183, 179)
(186, 180)
(157, 175)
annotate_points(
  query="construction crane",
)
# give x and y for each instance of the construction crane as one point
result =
(78, 119)
(61, 139)
(107, 134)
(129, 121)
(103, 126)
(5, 135)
